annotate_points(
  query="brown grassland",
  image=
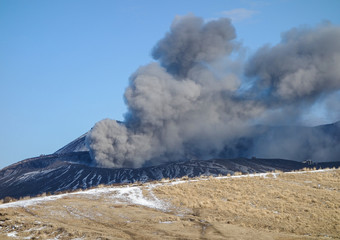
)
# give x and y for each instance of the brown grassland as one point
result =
(284, 206)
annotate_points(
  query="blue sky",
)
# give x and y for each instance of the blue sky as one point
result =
(64, 65)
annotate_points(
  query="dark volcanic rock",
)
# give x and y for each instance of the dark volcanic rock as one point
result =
(69, 171)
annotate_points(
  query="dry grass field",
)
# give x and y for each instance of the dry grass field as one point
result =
(275, 206)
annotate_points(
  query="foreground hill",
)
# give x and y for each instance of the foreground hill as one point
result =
(300, 205)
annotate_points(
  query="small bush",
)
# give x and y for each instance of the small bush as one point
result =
(8, 199)
(185, 178)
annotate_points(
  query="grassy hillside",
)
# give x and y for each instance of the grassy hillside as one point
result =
(266, 206)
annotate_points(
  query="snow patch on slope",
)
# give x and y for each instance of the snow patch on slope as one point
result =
(135, 194)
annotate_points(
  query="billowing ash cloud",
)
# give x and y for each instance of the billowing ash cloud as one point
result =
(191, 42)
(291, 77)
(304, 65)
(187, 106)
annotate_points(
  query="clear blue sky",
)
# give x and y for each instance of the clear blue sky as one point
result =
(64, 65)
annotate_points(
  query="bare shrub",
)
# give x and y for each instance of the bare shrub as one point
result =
(8, 199)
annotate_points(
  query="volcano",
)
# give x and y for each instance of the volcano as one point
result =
(71, 167)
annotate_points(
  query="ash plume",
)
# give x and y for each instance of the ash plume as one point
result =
(190, 42)
(187, 106)
(304, 66)
(291, 77)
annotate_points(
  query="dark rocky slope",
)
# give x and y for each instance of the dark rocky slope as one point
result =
(69, 171)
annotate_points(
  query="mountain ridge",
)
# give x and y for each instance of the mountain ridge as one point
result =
(71, 167)
(63, 172)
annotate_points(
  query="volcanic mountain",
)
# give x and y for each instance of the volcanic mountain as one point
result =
(71, 167)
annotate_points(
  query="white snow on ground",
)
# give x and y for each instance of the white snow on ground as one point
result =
(12, 234)
(134, 194)
(33, 201)
(125, 194)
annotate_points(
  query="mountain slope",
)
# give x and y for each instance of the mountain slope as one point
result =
(77, 145)
(60, 172)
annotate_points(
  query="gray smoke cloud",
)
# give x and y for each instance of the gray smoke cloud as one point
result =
(305, 65)
(291, 77)
(190, 41)
(319, 144)
(187, 106)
